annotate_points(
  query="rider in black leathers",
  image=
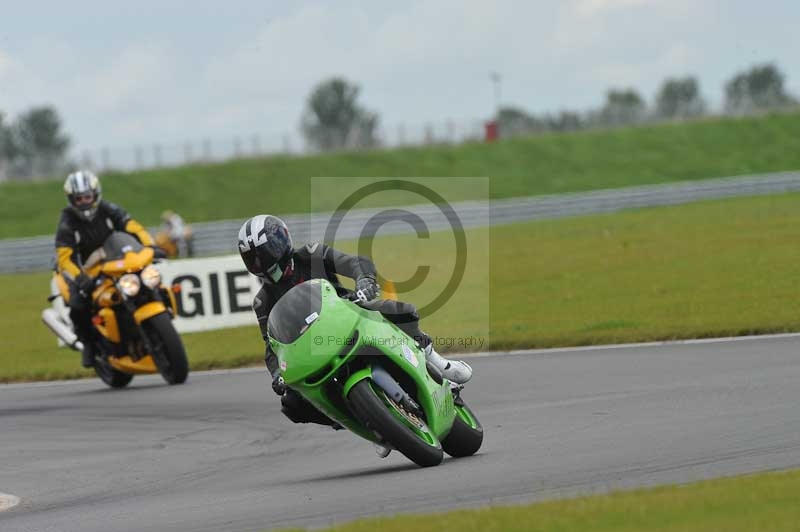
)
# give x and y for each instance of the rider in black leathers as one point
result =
(265, 246)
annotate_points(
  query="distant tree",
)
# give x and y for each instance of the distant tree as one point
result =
(333, 119)
(6, 146)
(760, 87)
(565, 121)
(622, 107)
(38, 144)
(513, 121)
(679, 98)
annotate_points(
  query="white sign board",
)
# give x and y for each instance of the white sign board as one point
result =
(214, 293)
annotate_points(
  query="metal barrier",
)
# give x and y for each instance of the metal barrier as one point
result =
(217, 238)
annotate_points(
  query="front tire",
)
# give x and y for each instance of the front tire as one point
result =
(168, 351)
(378, 416)
(111, 376)
(466, 436)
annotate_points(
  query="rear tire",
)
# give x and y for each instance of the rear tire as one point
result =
(375, 414)
(169, 354)
(466, 436)
(111, 376)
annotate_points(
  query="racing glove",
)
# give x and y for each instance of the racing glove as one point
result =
(367, 288)
(85, 284)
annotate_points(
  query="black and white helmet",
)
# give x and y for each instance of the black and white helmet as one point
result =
(83, 193)
(266, 248)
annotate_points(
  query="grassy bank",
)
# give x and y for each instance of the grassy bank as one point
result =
(741, 504)
(726, 267)
(517, 167)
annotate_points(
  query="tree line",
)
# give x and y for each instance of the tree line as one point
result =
(333, 118)
(34, 143)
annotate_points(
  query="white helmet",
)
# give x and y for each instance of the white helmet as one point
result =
(83, 193)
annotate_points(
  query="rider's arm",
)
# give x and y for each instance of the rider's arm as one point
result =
(66, 250)
(262, 305)
(136, 229)
(335, 261)
(123, 222)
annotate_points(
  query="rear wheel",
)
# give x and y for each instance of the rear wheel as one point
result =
(402, 429)
(466, 436)
(111, 376)
(168, 351)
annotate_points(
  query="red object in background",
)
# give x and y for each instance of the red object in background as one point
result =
(492, 131)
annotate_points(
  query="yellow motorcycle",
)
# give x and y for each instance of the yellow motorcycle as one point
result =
(132, 312)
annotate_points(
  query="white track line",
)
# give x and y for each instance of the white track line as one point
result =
(7, 501)
(490, 354)
(603, 347)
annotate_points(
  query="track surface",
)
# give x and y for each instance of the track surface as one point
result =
(216, 454)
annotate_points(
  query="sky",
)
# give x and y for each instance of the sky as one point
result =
(128, 73)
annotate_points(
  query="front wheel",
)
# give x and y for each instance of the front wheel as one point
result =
(466, 436)
(168, 351)
(403, 430)
(111, 376)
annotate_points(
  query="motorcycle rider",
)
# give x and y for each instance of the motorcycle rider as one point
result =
(266, 248)
(85, 224)
(178, 233)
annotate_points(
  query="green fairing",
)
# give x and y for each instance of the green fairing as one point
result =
(326, 348)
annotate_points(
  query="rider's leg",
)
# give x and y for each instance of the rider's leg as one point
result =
(81, 316)
(405, 316)
(296, 408)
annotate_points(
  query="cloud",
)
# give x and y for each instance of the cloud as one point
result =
(588, 8)
(416, 62)
(135, 78)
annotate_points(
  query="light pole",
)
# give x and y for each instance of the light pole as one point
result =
(496, 80)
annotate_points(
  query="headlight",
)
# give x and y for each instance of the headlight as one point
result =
(130, 284)
(151, 277)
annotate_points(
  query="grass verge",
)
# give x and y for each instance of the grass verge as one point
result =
(545, 164)
(768, 501)
(717, 268)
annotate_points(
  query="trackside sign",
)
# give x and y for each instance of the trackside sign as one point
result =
(213, 293)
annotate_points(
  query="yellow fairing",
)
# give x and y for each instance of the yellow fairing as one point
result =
(106, 295)
(148, 310)
(173, 303)
(127, 365)
(108, 327)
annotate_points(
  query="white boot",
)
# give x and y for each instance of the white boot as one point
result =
(455, 371)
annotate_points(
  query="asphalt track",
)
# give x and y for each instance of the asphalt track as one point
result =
(216, 454)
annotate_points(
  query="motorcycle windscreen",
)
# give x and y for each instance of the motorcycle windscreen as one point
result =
(118, 243)
(294, 312)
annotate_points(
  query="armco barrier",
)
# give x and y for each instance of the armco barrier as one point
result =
(219, 238)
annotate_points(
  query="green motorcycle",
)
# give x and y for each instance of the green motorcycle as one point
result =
(365, 373)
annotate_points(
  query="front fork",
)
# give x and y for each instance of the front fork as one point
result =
(143, 312)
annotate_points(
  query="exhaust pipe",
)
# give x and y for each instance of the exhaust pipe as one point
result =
(60, 329)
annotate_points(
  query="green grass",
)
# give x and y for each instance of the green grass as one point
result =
(761, 502)
(726, 267)
(517, 167)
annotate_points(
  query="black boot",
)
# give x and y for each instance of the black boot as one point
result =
(86, 335)
(297, 409)
(88, 355)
